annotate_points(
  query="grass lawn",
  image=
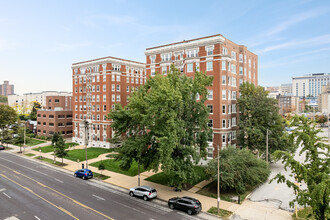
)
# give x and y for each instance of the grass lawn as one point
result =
(113, 165)
(210, 190)
(305, 213)
(29, 155)
(51, 161)
(50, 148)
(92, 152)
(99, 176)
(164, 179)
(222, 213)
(32, 142)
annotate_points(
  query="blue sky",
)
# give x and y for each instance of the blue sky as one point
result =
(39, 40)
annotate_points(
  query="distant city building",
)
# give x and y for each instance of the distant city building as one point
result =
(97, 86)
(309, 85)
(6, 89)
(285, 89)
(229, 63)
(324, 100)
(288, 104)
(23, 102)
(56, 117)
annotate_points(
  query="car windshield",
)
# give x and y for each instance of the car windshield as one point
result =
(153, 191)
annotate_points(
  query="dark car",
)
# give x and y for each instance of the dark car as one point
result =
(187, 204)
(84, 173)
(2, 147)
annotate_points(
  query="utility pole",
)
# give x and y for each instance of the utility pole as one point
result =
(138, 172)
(218, 183)
(86, 141)
(267, 147)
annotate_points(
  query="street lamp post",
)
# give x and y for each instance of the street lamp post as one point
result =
(86, 141)
(218, 188)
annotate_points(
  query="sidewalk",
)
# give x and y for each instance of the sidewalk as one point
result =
(247, 210)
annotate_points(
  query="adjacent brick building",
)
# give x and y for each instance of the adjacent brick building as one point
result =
(229, 63)
(56, 117)
(6, 89)
(97, 85)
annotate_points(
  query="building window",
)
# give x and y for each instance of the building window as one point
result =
(210, 124)
(166, 57)
(233, 108)
(224, 139)
(104, 88)
(233, 95)
(118, 88)
(223, 94)
(223, 123)
(240, 70)
(229, 123)
(113, 87)
(152, 59)
(233, 82)
(233, 122)
(104, 98)
(223, 109)
(241, 58)
(223, 80)
(189, 67)
(233, 68)
(209, 65)
(164, 70)
(127, 88)
(113, 97)
(210, 94)
(153, 73)
(210, 107)
(233, 55)
(113, 78)
(118, 78)
(224, 51)
(223, 66)
(209, 51)
(104, 108)
(118, 98)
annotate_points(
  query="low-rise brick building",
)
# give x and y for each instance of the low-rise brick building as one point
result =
(56, 117)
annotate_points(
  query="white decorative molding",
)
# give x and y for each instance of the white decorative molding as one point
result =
(108, 60)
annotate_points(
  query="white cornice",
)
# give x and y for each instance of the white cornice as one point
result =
(108, 60)
(185, 45)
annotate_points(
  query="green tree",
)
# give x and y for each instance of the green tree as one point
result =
(60, 148)
(35, 107)
(239, 169)
(321, 119)
(101, 167)
(8, 116)
(165, 125)
(259, 113)
(19, 140)
(3, 99)
(55, 139)
(6, 136)
(314, 170)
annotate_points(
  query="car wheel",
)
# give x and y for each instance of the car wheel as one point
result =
(75, 175)
(84, 177)
(145, 198)
(131, 193)
(171, 206)
(189, 212)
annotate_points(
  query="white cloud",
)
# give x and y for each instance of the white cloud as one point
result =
(320, 40)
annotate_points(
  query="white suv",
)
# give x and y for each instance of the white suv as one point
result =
(146, 192)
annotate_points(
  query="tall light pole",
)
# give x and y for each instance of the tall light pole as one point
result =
(218, 202)
(86, 140)
(267, 147)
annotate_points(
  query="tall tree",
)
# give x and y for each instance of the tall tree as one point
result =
(35, 107)
(165, 124)
(60, 148)
(8, 116)
(259, 113)
(314, 170)
(55, 139)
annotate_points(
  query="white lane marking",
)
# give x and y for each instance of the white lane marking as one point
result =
(37, 217)
(25, 167)
(98, 197)
(2, 189)
(6, 195)
(59, 180)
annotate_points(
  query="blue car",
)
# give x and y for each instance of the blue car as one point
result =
(84, 173)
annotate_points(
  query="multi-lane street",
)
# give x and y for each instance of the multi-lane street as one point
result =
(31, 190)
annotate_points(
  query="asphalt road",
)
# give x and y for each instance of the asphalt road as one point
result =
(32, 190)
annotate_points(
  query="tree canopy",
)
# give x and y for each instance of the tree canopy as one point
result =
(8, 116)
(165, 124)
(259, 113)
(239, 169)
(314, 171)
(3, 99)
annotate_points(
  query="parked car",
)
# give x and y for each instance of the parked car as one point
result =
(146, 192)
(84, 173)
(187, 204)
(2, 147)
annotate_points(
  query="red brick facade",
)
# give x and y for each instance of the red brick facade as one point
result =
(56, 118)
(97, 85)
(230, 65)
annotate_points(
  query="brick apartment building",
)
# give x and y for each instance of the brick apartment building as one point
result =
(56, 117)
(6, 89)
(97, 85)
(230, 64)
